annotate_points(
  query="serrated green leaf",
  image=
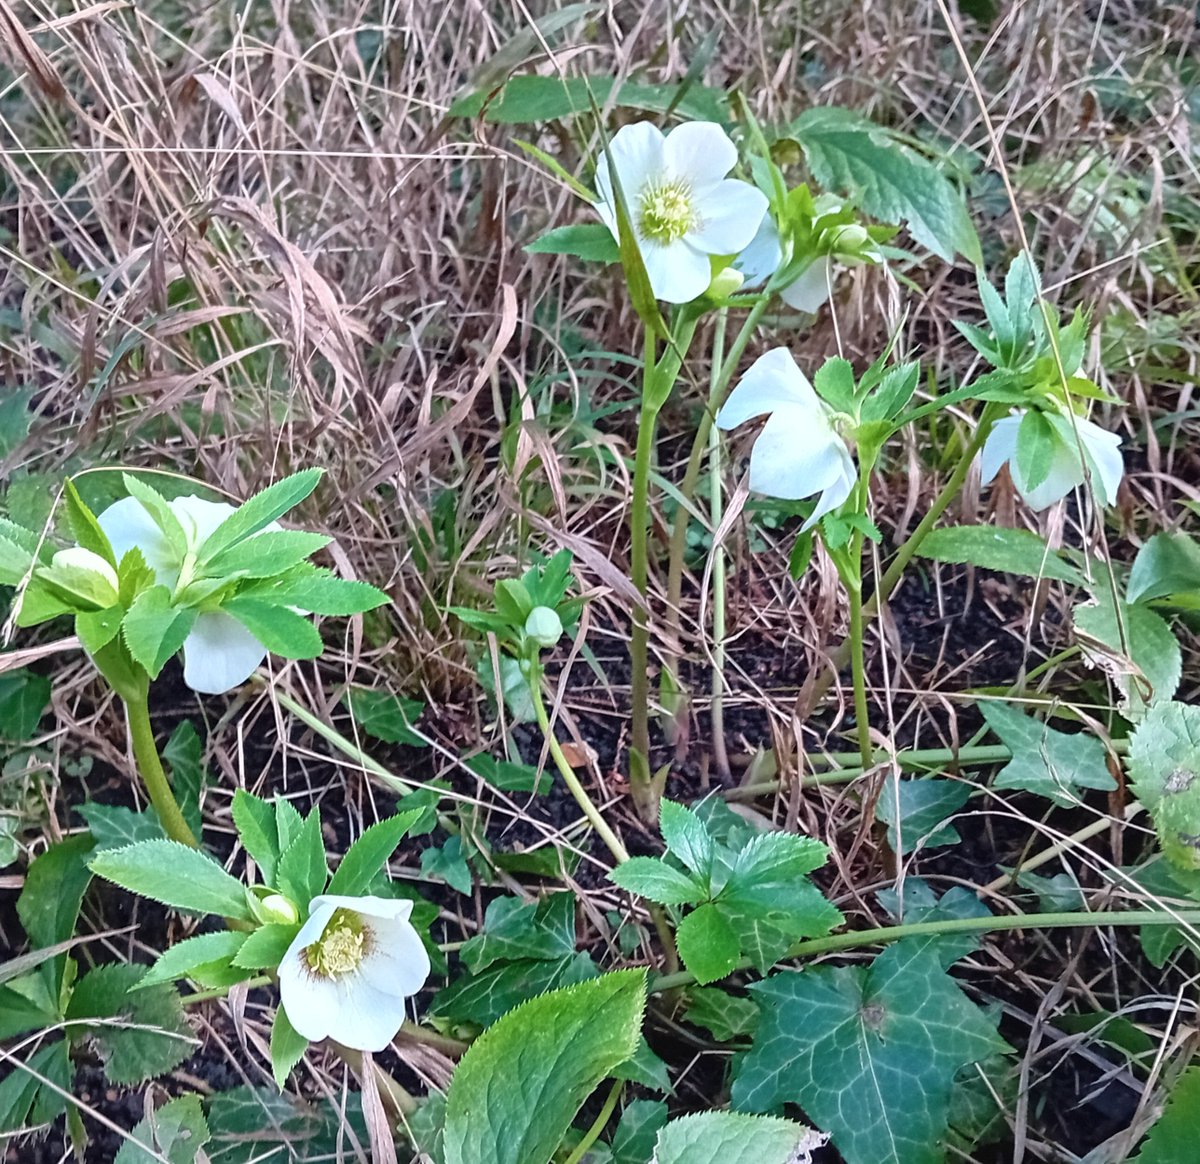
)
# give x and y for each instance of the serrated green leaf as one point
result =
(1164, 772)
(144, 1032)
(386, 716)
(560, 1046)
(1049, 762)
(24, 697)
(84, 526)
(914, 811)
(658, 881)
(254, 819)
(687, 837)
(728, 1137)
(266, 554)
(282, 631)
(846, 152)
(154, 629)
(1169, 563)
(175, 875)
(258, 512)
(15, 561)
(265, 947)
(175, 1132)
(319, 591)
(592, 242)
(1172, 1140)
(370, 852)
(97, 628)
(287, 1047)
(301, 873)
(708, 944)
(1008, 551)
(874, 1059)
(161, 513)
(1140, 636)
(183, 957)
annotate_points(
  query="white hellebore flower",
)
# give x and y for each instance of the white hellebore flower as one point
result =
(799, 452)
(681, 205)
(1101, 448)
(348, 971)
(219, 653)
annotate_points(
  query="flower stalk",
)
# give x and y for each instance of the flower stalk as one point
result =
(149, 765)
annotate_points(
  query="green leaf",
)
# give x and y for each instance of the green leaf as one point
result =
(1008, 551)
(280, 630)
(370, 853)
(1169, 563)
(301, 873)
(317, 590)
(254, 819)
(257, 513)
(15, 560)
(24, 697)
(560, 1046)
(915, 901)
(386, 716)
(1048, 762)
(144, 1032)
(184, 754)
(869, 1053)
(154, 629)
(729, 1137)
(160, 511)
(633, 1141)
(175, 1132)
(265, 947)
(184, 957)
(687, 837)
(1147, 642)
(484, 997)
(447, 863)
(175, 875)
(97, 628)
(24, 1101)
(835, 383)
(591, 241)
(113, 826)
(55, 883)
(708, 944)
(725, 1016)
(1164, 772)
(84, 526)
(1038, 445)
(508, 776)
(657, 881)
(287, 1047)
(515, 930)
(645, 1068)
(1172, 1140)
(266, 554)
(914, 811)
(849, 153)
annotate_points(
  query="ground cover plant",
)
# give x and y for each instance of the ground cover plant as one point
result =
(599, 583)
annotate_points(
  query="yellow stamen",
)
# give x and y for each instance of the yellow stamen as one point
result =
(341, 948)
(665, 211)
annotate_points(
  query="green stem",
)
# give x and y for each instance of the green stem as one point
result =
(715, 511)
(593, 1133)
(857, 655)
(565, 770)
(145, 753)
(968, 925)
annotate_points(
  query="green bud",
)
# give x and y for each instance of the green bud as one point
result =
(724, 283)
(544, 626)
(272, 908)
(83, 575)
(850, 239)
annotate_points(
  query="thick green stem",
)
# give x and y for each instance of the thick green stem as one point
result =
(593, 1133)
(968, 925)
(145, 753)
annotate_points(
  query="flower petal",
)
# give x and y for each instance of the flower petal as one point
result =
(367, 1018)
(810, 291)
(637, 154)
(319, 913)
(397, 962)
(836, 492)
(700, 152)
(1000, 447)
(677, 273)
(795, 455)
(128, 525)
(200, 517)
(761, 257)
(730, 215)
(1066, 473)
(1106, 466)
(388, 908)
(772, 381)
(219, 654)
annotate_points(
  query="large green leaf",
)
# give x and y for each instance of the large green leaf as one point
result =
(24, 697)
(1172, 1140)
(729, 1137)
(1051, 763)
(852, 155)
(519, 1086)
(1169, 563)
(1009, 551)
(1132, 634)
(176, 1132)
(54, 887)
(1164, 770)
(258, 512)
(370, 852)
(914, 811)
(869, 1053)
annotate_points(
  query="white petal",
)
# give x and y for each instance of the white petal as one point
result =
(388, 908)
(772, 381)
(812, 289)
(795, 455)
(637, 154)
(367, 1019)
(397, 962)
(677, 273)
(1105, 463)
(699, 152)
(319, 914)
(219, 654)
(127, 525)
(1000, 447)
(837, 491)
(730, 215)
(1066, 473)
(200, 517)
(760, 259)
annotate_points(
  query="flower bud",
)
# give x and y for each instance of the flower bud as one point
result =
(544, 626)
(85, 574)
(727, 281)
(850, 239)
(275, 909)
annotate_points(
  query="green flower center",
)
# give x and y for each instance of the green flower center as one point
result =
(665, 211)
(341, 948)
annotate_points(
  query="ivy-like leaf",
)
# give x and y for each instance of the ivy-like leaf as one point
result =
(914, 811)
(175, 1132)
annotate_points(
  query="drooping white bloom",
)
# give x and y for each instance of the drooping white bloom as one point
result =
(682, 207)
(1101, 449)
(799, 452)
(219, 653)
(349, 970)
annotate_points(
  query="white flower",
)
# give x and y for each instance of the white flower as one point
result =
(681, 205)
(760, 257)
(219, 653)
(348, 971)
(799, 452)
(1105, 465)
